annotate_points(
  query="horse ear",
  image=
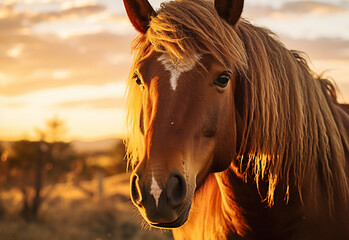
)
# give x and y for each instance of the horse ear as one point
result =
(229, 10)
(139, 12)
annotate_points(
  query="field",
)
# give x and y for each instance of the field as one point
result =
(69, 213)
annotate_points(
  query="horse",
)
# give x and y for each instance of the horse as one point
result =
(231, 134)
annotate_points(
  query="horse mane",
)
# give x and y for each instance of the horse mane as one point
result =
(291, 131)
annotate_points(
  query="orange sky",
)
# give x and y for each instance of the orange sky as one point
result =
(70, 58)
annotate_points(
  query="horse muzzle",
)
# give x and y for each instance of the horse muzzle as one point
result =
(162, 203)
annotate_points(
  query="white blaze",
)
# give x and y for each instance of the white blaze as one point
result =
(177, 69)
(155, 190)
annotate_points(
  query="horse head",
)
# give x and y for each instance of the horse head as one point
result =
(185, 110)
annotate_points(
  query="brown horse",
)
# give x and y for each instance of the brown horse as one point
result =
(231, 134)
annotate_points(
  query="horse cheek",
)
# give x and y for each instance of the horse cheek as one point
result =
(225, 151)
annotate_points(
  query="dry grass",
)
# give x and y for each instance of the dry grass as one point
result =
(69, 214)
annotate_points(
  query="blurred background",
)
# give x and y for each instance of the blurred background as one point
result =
(63, 67)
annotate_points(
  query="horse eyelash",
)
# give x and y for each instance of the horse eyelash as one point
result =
(137, 79)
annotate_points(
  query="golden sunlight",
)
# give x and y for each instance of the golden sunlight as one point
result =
(71, 59)
(63, 71)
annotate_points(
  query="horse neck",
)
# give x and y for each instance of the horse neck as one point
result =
(226, 207)
(206, 218)
(243, 207)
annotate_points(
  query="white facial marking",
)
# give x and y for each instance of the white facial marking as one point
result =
(155, 190)
(177, 69)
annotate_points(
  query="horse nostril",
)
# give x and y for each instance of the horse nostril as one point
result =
(176, 189)
(135, 190)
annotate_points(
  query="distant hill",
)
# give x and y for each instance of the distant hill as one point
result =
(85, 146)
(95, 146)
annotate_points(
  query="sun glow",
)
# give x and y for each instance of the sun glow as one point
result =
(71, 58)
(30, 111)
(15, 51)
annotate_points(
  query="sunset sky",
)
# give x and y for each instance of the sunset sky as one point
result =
(70, 58)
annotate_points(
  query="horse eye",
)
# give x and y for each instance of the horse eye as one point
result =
(222, 80)
(137, 79)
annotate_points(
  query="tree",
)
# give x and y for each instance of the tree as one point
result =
(25, 163)
(54, 131)
(3, 172)
(40, 162)
(117, 153)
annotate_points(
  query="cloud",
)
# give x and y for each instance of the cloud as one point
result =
(310, 7)
(293, 9)
(101, 103)
(71, 13)
(11, 14)
(13, 105)
(303, 19)
(321, 48)
(34, 61)
(91, 73)
(30, 61)
(328, 56)
(75, 95)
(15, 51)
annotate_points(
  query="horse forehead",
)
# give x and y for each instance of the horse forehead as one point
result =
(176, 69)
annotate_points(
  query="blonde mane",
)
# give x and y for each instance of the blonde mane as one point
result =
(291, 132)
